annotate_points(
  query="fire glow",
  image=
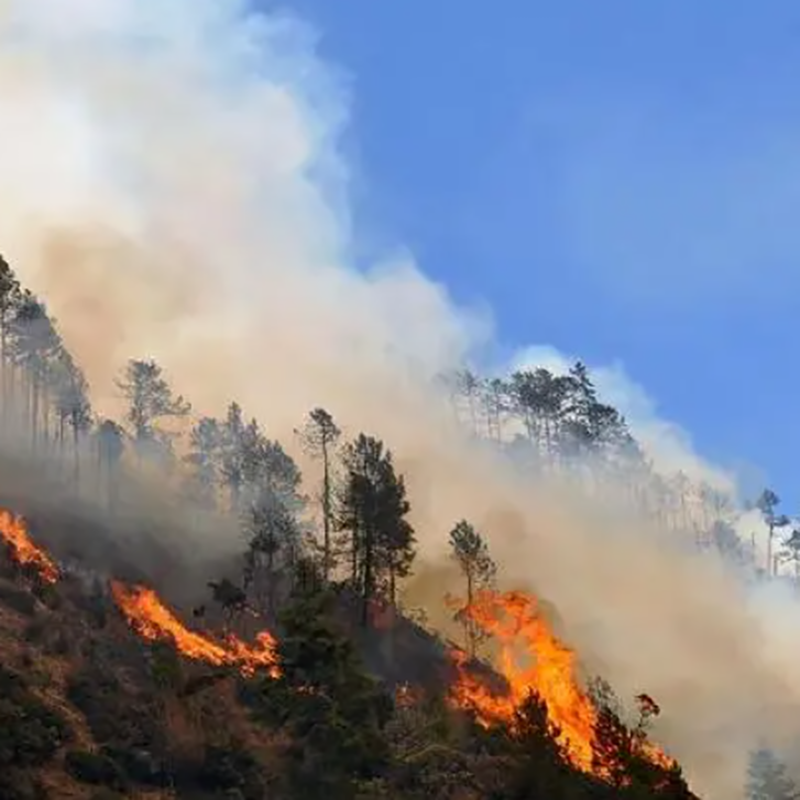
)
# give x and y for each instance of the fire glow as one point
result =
(513, 620)
(145, 612)
(152, 620)
(14, 531)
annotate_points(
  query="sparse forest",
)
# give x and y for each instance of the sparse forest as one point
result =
(324, 566)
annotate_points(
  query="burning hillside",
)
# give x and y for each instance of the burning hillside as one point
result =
(152, 620)
(530, 660)
(145, 611)
(14, 532)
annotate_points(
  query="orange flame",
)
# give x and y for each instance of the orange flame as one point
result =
(152, 620)
(14, 531)
(531, 658)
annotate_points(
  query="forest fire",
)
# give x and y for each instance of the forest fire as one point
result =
(531, 658)
(145, 612)
(152, 620)
(14, 532)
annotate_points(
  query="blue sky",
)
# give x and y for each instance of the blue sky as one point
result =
(620, 180)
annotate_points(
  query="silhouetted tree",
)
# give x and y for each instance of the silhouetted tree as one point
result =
(232, 447)
(319, 437)
(110, 446)
(230, 597)
(204, 459)
(34, 343)
(539, 767)
(767, 504)
(10, 294)
(71, 403)
(150, 399)
(372, 511)
(274, 536)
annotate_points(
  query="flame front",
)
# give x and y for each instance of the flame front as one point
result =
(14, 531)
(531, 658)
(152, 620)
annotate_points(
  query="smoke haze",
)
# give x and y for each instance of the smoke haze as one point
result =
(171, 187)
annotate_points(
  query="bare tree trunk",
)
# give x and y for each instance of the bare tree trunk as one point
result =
(367, 589)
(326, 511)
(469, 624)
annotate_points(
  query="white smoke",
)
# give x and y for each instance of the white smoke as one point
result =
(171, 186)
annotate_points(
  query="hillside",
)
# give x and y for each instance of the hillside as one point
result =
(104, 696)
(184, 614)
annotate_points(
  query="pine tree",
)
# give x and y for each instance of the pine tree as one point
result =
(471, 553)
(150, 399)
(10, 294)
(35, 342)
(767, 504)
(71, 403)
(232, 454)
(204, 460)
(540, 398)
(538, 767)
(319, 437)
(110, 445)
(272, 553)
(372, 511)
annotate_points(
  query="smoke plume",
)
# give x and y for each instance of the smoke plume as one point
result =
(172, 188)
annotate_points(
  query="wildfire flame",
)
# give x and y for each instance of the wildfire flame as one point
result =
(14, 531)
(547, 665)
(152, 620)
(531, 658)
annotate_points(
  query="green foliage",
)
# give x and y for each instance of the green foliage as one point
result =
(332, 712)
(372, 512)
